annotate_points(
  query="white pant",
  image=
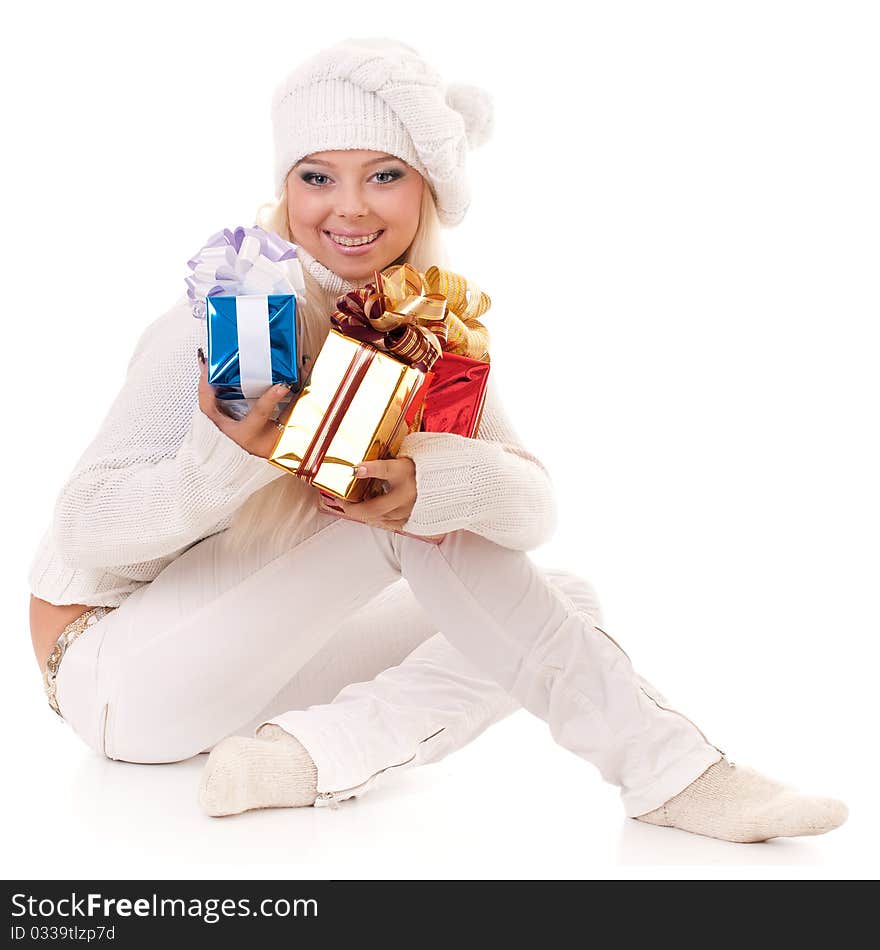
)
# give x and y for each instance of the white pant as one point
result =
(220, 643)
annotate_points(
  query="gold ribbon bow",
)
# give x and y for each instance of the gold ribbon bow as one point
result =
(416, 316)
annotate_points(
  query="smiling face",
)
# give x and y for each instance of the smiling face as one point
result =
(354, 210)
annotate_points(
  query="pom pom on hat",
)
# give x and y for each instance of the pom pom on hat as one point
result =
(476, 108)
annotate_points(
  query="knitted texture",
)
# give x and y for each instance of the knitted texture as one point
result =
(736, 803)
(159, 476)
(377, 93)
(273, 770)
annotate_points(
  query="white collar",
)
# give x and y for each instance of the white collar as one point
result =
(329, 280)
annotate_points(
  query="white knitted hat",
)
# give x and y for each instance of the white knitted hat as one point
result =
(378, 93)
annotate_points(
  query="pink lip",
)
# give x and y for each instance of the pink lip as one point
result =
(344, 232)
(352, 251)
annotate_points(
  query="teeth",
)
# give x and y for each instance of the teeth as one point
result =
(354, 242)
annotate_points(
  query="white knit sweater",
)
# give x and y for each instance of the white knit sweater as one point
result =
(160, 476)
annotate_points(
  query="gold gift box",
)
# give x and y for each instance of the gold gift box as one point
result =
(353, 410)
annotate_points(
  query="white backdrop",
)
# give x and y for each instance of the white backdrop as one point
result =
(677, 222)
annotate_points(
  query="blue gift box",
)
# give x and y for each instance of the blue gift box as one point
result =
(253, 343)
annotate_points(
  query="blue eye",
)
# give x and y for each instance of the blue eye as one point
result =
(393, 172)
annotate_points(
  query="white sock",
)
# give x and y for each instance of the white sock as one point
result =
(736, 803)
(272, 770)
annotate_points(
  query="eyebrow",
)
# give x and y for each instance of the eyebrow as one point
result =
(374, 161)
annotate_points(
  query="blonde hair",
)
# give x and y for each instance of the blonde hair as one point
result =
(272, 514)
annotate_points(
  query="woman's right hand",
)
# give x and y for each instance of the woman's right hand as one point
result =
(256, 432)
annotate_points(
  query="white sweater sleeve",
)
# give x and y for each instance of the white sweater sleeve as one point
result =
(160, 474)
(489, 484)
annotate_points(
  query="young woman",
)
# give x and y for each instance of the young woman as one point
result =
(190, 597)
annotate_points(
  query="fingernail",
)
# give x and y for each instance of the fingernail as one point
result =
(201, 356)
(360, 469)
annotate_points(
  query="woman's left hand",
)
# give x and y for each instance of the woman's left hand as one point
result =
(391, 510)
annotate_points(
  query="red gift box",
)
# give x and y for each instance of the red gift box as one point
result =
(456, 394)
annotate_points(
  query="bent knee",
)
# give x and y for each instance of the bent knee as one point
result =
(579, 590)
